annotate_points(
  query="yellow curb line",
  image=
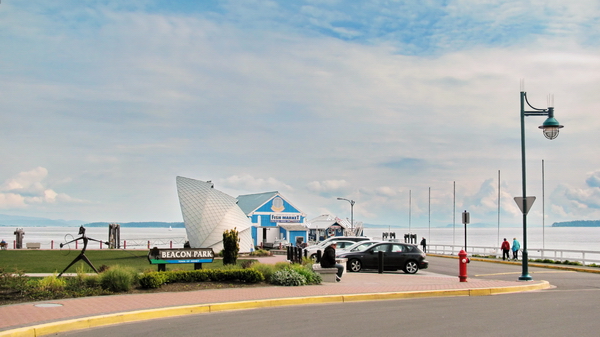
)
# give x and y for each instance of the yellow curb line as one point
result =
(141, 315)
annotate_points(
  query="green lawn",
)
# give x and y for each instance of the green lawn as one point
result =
(51, 261)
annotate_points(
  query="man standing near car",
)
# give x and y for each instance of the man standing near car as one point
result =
(424, 244)
(328, 261)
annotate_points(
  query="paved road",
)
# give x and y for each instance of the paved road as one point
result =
(570, 309)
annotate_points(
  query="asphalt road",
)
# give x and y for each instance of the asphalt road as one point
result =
(570, 309)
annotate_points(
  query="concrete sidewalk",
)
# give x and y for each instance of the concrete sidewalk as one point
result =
(41, 318)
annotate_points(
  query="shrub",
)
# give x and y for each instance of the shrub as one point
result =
(306, 271)
(119, 279)
(245, 264)
(288, 277)
(267, 270)
(260, 252)
(92, 281)
(153, 280)
(13, 281)
(51, 284)
(231, 246)
(156, 279)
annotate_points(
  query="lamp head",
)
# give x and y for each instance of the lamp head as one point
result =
(551, 125)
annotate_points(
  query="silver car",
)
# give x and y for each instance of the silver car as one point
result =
(311, 251)
(357, 247)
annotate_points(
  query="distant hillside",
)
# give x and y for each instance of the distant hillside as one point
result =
(578, 223)
(29, 221)
(149, 224)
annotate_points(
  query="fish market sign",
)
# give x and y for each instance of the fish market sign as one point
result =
(186, 255)
(282, 217)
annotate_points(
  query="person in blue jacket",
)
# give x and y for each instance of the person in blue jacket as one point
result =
(515, 249)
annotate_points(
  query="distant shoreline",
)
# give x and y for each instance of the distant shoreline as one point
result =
(578, 223)
(103, 224)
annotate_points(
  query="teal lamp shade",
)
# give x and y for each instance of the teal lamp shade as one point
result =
(550, 128)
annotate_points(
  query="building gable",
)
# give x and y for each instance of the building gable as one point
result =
(269, 202)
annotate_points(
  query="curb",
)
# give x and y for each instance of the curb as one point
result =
(142, 315)
(532, 264)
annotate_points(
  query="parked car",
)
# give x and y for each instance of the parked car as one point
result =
(347, 238)
(357, 247)
(311, 251)
(407, 257)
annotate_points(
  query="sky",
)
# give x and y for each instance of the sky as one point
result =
(409, 108)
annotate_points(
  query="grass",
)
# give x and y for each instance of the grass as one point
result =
(54, 261)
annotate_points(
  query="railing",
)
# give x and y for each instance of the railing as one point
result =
(583, 256)
(125, 244)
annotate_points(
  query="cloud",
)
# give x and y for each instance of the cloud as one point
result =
(576, 203)
(328, 187)
(594, 179)
(246, 182)
(26, 183)
(323, 99)
(406, 164)
(27, 188)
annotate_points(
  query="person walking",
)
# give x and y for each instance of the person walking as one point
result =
(505, 248)
(328, 261)
(424, 244)
(515, 249)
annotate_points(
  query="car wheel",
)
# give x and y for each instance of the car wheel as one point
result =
(314, 257)
(411, 267)
(355, 265)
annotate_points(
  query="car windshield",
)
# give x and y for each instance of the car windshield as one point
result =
(360, 246)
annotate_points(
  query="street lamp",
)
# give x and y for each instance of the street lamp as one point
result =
(351, 212)
(550, 129)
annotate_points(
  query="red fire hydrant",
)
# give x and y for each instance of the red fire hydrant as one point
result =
(462, 264)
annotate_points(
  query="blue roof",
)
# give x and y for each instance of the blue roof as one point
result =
(250, 202)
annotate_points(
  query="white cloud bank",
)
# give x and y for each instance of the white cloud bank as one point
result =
(317, 100)
(27, 189)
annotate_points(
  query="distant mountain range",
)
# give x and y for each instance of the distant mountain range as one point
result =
(139, 224)
(578, 223)
(29, 221)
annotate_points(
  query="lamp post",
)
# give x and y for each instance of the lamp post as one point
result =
(351, 212)
(550, 129)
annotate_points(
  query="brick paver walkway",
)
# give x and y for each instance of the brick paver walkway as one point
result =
(28, 314)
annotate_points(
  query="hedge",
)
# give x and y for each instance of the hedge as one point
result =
(156, 279)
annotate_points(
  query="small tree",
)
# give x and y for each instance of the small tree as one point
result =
(231, 246)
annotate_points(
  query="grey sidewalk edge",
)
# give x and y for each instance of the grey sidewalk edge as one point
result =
(531, 264)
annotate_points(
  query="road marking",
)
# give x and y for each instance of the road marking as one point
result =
(534, 272)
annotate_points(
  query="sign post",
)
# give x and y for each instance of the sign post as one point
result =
(197, 256)
(466, 219)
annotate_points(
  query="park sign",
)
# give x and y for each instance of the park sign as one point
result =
(185, 255)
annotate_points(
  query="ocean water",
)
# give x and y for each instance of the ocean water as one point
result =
(136, 238)
(560, 238)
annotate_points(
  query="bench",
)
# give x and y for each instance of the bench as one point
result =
(327, 274)
(33, 245)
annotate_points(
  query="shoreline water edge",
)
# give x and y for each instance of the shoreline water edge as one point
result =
(567, 238)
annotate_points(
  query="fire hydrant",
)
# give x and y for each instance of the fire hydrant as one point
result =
(462, 263)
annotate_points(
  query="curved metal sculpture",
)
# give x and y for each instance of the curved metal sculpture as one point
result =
(81, 255)
(207, 213)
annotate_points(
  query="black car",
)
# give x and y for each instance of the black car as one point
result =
(395, 256)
